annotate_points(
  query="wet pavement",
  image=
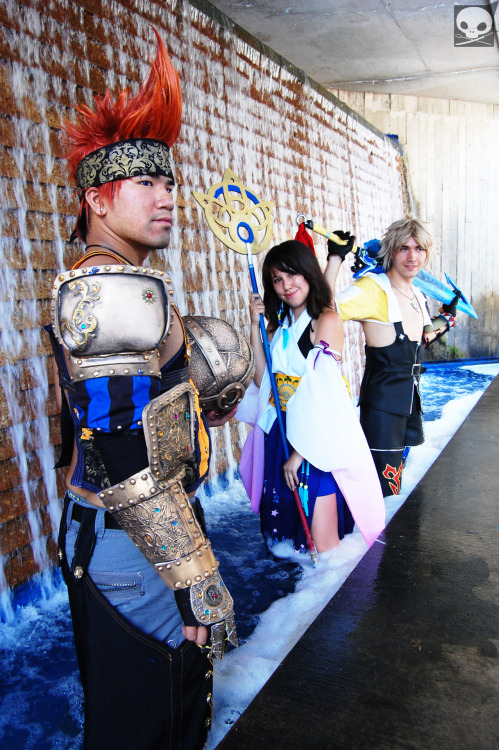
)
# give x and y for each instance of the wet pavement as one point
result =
(406, 654)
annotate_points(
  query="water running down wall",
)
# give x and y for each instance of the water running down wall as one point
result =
(287, 139)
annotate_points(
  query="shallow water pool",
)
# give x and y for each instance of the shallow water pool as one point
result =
(40, 695)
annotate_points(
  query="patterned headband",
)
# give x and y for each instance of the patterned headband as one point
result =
(124, 159)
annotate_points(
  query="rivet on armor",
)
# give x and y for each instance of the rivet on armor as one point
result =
(160, 567)
(61, 277)
(141, 496)
(109, 492)
(190, 520)
(208, 698)
(207, 574)
(101, 495)
(111, 372)
(79, 361)
(144, 477)
(170, 292)
(199, 553)
(96, 374)
(134, 268)
(188, 558)
(60, 554)
(188, 582)
(78, 572)
(126, 370)
(132, 481)
(110, 507)
(199, 578)
(120, 505)
(122, 486)
(168, 280)
(168, 567)
(108, 268)
(72, 273)
(178, 563)
(119, 427)
(208, 674)
(120, 268)
(178, 585)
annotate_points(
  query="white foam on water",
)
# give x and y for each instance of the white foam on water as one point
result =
(243, 671)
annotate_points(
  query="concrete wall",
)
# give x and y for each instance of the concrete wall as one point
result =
(452, 153)
(286, 138)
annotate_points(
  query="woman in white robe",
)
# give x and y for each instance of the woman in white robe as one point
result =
(329, 460)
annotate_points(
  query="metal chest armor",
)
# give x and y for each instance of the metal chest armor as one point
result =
(112, 319)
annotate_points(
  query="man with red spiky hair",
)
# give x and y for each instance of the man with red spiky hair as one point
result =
(135, 440)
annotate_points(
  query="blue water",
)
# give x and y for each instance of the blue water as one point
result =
(40, 694)
(444, 382)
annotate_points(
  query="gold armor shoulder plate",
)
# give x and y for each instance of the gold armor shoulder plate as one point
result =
(112, 319)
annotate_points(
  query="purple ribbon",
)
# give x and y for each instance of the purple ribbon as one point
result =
(323, 347)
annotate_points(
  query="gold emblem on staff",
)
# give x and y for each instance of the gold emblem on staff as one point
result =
(236, 215)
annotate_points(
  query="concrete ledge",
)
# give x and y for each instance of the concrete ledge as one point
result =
(406, 654)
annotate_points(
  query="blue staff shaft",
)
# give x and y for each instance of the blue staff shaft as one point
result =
(282, 431)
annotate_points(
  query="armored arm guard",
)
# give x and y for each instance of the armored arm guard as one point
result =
(112, 320)
(154, 510)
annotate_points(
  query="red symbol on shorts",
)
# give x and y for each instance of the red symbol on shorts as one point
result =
(393, 476)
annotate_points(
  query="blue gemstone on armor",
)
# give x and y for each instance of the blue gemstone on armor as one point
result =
(83, 326)
(156, 510)
(141, 372)
(94, 269)
(175, 523)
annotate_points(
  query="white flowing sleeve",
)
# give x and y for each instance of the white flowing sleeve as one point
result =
(322, 425)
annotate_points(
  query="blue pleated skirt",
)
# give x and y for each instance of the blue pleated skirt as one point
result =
(278, 512)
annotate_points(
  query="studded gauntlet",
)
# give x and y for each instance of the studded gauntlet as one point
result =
(153, 509)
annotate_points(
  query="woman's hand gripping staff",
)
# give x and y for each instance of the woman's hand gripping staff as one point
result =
(263, 358)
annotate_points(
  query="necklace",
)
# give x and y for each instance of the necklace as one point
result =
(115, 252)
(413, 300)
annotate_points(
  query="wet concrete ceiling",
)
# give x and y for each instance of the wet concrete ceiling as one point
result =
(385, 46)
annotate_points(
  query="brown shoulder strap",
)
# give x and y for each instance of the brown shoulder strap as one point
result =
(98, 252)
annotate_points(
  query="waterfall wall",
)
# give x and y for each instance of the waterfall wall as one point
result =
(244, 107)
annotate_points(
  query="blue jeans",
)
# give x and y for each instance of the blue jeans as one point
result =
(123, 575)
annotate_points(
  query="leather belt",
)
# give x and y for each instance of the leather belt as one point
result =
(109, 521)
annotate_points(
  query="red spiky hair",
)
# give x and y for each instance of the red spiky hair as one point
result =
(154, 112)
